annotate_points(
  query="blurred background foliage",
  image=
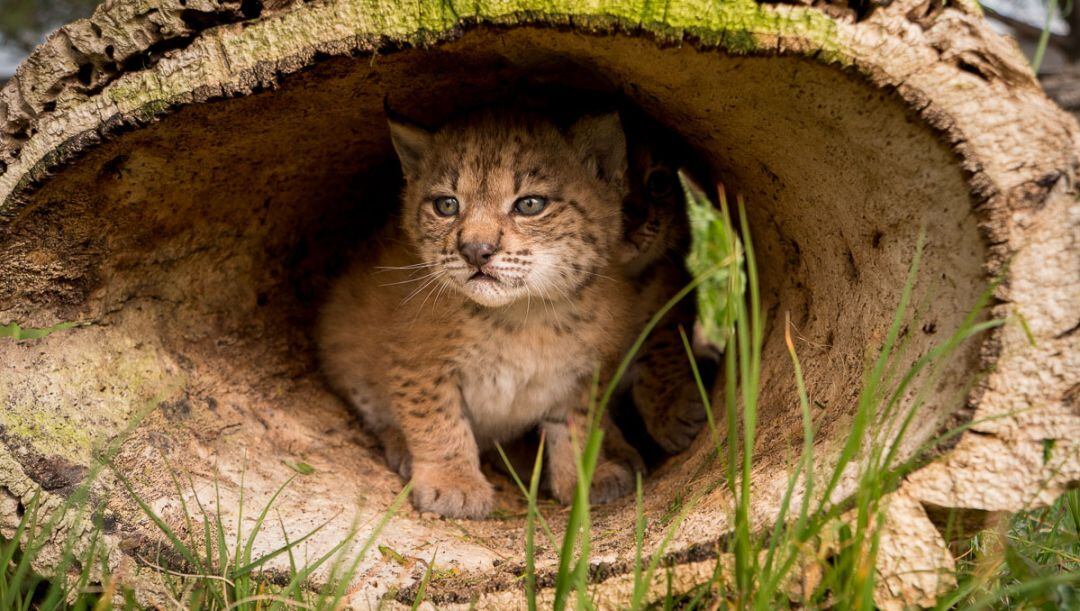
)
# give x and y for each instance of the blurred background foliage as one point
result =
(23, 23)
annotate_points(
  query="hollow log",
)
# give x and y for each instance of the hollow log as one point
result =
(181, 179)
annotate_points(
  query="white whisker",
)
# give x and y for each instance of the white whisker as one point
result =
(402, 267)
(426, 297)
(422, 287)
(443, 285)
(417, 279)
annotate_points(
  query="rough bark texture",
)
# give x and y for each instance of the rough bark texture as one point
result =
(182, 177)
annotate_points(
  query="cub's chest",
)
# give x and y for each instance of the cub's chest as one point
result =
(510, 386)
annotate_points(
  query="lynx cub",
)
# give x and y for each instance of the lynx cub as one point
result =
(486, 309)
(657, 237)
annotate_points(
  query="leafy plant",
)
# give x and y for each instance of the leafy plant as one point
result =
(713, 240)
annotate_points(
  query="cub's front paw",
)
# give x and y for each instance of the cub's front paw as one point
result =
(452, 491)
(611, 480)
(676, 429)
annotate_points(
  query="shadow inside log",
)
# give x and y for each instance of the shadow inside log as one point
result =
(197, 249)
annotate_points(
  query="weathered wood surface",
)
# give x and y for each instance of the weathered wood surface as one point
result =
(848, 128)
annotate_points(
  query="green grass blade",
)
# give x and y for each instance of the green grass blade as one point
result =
(530, 525)
(525, 492)
(748, 346)
(569, 573)
(771, 578)
(88, 564)
(702, 391)
(219, 532)
(251, 565)
(1044, 36)
(344, 580)
(586, 468)
(639, 538)
(292, 557)
(208, 544)
(250, 543)
(178, 545)
(1024, 588)
(639, 593)
(58, 583)
(868, 397)
(631, 354)
(12, 582)
(240, 585)
(179, 493)
(422, 589)
(295, 584)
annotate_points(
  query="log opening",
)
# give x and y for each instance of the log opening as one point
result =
(197, 246)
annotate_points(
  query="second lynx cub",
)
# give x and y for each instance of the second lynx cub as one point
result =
(657, 238)
(486, 309)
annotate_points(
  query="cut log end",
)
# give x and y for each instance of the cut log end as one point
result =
(190, 208)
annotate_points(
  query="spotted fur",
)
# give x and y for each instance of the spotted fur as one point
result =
(443, 357)
(653, 251)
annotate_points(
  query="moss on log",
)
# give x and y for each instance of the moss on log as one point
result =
(182, 177)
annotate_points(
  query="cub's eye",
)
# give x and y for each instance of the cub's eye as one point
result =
(446, 206)
(530, 205)
(660, 183)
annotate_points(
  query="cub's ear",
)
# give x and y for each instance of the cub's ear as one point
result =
(410, 142)
(601, 144)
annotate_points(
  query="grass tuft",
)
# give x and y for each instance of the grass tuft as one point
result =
(820, 552)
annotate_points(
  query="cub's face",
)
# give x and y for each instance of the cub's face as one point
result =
(654, 219)
(505, 206)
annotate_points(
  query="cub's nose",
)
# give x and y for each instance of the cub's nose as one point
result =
(477, 253)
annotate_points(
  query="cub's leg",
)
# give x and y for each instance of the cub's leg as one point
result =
(380, 423)
(664, 391)
(614, 475)
(445, 460)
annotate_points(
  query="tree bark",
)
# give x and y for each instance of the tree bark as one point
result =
(182, 177)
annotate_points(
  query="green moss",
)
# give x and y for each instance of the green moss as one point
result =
(59, 435)
(152, 109)
(82, 401)
(739, 41)
(737, 26)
